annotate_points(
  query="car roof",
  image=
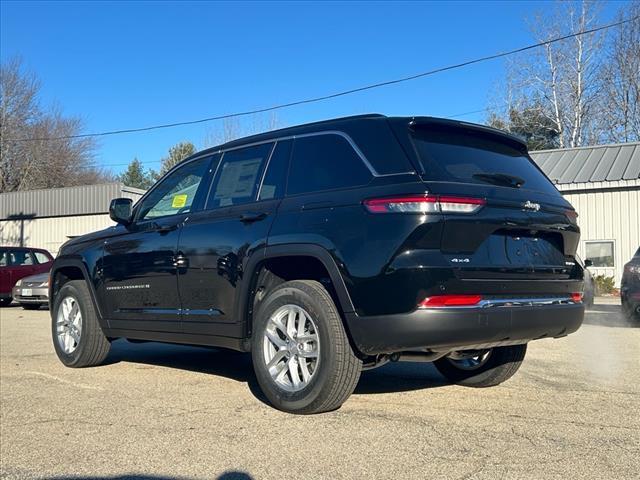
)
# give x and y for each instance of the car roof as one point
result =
(344, 122)
(23, 249)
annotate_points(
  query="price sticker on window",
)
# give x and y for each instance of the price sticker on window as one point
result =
(179, 201)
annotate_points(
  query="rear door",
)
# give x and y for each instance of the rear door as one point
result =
(526, 229)
(216, 243)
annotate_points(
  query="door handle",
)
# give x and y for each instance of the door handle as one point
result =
(252, 217)
(164, 228)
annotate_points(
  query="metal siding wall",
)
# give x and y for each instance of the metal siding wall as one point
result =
(90, 199)
(50, 233)
(609, 215)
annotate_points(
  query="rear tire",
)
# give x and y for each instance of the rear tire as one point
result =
(629, 311)
(5, 302)
(500, 365)
(301, 354)
(30, 306)
(78, 340)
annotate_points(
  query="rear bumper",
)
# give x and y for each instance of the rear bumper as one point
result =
(451, 328)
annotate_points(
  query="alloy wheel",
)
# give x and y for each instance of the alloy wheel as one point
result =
(469, 360)
(291, 347)
(69, 325)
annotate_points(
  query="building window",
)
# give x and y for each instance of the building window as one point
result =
(600, 253)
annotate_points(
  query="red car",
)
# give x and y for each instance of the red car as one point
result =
(17, 263)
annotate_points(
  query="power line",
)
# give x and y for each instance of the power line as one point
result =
(337, 94)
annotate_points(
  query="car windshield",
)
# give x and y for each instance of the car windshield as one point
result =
(466, 156)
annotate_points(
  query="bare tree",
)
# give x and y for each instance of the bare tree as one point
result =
(562, 79)
(232, 128)
(621, 80)
(27, 159)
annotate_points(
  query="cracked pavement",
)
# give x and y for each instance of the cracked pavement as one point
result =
(171, 412)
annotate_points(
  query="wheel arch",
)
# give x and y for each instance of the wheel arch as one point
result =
(66, 269)
(309, 259)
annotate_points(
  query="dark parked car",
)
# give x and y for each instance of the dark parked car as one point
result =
(331, 247)
(32, 292)
(630, 287)
(17, 263)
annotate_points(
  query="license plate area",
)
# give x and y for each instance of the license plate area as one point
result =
(27, 292)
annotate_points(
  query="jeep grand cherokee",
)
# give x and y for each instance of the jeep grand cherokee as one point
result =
(332, 247)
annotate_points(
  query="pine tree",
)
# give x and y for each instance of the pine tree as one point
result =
(135, 176)
(177, 153)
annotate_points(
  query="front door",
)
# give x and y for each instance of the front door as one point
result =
(139, 269)
(217, 242)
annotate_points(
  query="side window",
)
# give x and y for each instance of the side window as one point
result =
(238, 176)
(325, 162)
(41, 257)
(4, 258)
(275, 178)
(20, 258)
(176, 193)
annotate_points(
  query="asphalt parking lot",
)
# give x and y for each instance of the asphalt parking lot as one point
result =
(168, 412)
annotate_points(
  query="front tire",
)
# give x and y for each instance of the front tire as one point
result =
(301, 354)
(485, 368)
(5, 302)
(77, 336)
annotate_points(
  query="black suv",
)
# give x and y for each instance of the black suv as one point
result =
(328, 248)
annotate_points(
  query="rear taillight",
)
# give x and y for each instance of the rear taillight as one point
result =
(424, 204)
(450, 301)
(572, 214)
(576, 297)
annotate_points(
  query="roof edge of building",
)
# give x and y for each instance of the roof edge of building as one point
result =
(585, 147)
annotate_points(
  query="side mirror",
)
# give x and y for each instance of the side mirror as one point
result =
(588, 263)
(120, 210)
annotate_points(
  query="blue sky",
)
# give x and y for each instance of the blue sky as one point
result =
(125, 65)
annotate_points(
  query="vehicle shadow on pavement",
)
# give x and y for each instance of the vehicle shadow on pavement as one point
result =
(393, 377)
(400, 377)
(233, 475)
(608, 316)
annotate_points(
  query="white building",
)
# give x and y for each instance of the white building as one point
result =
(603, 184)
(48, 218)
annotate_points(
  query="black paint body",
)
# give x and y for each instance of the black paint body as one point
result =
(380, 266)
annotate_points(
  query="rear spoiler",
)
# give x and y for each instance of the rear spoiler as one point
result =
(417, 122)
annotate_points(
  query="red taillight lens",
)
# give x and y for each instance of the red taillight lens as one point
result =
(450, 301)
(572, 214)
(576, 297)
(424, 204)
(406, 204)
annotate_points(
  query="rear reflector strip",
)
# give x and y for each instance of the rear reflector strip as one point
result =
(424, 204)
(450, 301)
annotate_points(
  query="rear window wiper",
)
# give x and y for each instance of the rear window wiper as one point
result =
(502, 179)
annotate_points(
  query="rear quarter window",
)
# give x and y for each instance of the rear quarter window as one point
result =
(468, 157)
(325, 162)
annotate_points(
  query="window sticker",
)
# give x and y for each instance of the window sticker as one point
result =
(179, 201)
(238, 179)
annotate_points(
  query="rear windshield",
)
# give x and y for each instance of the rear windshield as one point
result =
(468, 157)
